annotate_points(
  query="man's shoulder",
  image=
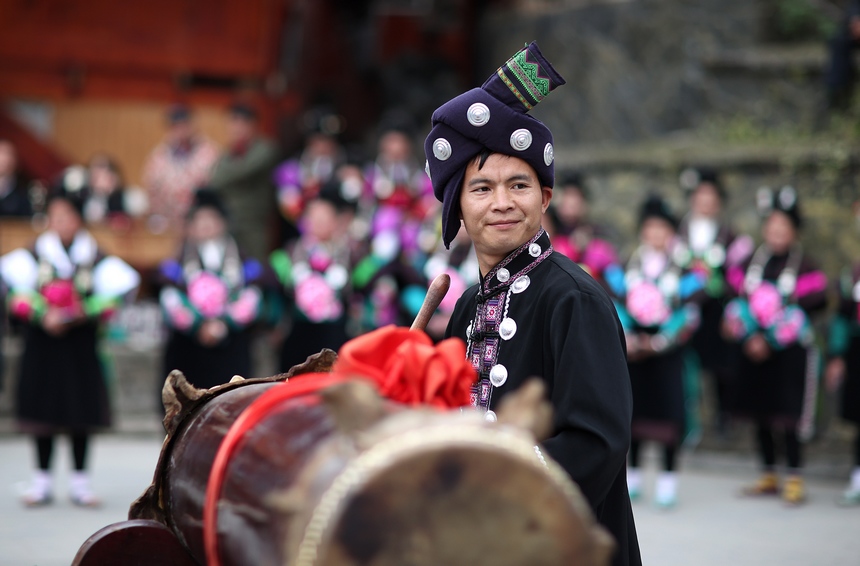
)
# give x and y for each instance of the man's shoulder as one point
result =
(564, 276)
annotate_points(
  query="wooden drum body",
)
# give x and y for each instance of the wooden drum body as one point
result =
(322, 471)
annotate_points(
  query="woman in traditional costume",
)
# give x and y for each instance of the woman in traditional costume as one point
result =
(211, 297)
(711, 248)
(573, 233)
(778, 289)
(63, 289)
(656, 302)
(313, 272)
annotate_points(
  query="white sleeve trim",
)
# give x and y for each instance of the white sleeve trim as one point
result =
(19, 270)
(113, 277)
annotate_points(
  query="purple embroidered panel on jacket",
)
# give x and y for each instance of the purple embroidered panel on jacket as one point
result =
(493, 300)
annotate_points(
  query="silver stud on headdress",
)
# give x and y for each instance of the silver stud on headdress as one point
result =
(764, 201)
(521, 139)
(442, 149)
(689, 179)
(478, 114)
(787, 197)
(427, 168)
(548, 154)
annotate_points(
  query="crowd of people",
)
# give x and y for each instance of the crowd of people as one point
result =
(320, 247)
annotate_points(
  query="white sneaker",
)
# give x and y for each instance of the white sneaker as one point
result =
(666, 493)
(80, 492)
(39, 492)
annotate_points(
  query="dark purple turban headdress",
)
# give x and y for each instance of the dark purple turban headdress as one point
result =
(492, 117)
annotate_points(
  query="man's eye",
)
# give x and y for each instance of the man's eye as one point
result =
(480, 189)
(520, 186)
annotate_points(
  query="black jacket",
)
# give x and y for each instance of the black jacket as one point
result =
(567, 332)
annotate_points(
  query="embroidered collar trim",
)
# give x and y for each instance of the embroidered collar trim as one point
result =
(517, 263)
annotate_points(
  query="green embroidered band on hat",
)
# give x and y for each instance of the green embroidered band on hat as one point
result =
(514, 89)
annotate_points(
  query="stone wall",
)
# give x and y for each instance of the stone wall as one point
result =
(641, 69)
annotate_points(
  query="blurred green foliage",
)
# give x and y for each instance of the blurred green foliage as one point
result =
(805, 19)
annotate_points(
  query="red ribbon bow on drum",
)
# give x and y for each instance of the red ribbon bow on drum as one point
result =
(408, 368)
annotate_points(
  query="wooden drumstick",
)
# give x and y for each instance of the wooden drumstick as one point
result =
(435, 294)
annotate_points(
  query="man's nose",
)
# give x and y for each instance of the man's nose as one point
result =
(502, 199)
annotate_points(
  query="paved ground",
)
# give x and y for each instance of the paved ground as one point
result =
(710, 527)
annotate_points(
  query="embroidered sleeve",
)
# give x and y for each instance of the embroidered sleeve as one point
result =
(412, 299)
(365, 270)
(681, 325)
(811, 290)
(29, 306)
(614, 275)
(690, 284)
(283, 266)
(179, 313)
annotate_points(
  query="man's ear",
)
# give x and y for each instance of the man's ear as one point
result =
(546, 197)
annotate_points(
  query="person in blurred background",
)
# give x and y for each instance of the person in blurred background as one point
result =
(63, 289)
(656, 299)
(573, 233)
(778, 289)
(314, 275)
(398, 194)
(101, 189)
(843, 367)
(242, 179)
(178, 165)
(211, 296)
(14, 197)
(842, 72)
(299, 180)
(708, 246)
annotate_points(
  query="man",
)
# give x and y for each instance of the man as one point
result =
(242, 178)
(178, 166)
(534, 312)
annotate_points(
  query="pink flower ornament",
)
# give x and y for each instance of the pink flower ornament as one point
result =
(20, 308)
(317, 300)
(646, 304)
(789, 326)
(209, 294)
(765, 304)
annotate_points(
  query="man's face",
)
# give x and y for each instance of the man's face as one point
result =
(501, 205)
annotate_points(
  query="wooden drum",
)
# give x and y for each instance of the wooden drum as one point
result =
(322, 471)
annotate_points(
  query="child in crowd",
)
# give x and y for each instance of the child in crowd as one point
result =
(709, 248)
(777, 289)
(211, 298)
(314, 273)
(63, 289)
(655, 299)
